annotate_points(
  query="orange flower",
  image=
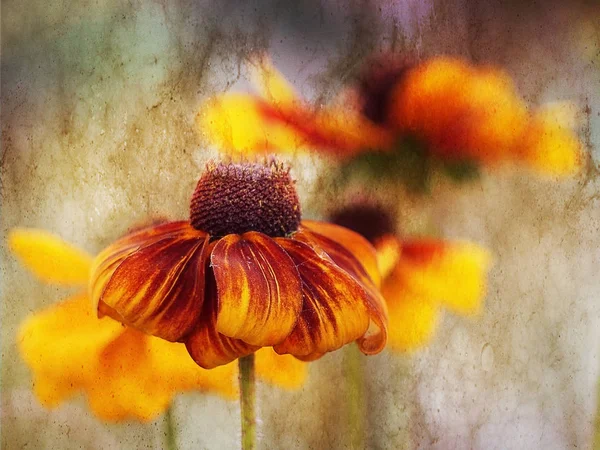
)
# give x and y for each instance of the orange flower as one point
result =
(123, 372)
(419, 276)
(456, 113)
(244, 273)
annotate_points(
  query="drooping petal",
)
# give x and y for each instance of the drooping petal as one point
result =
(374, 340)
(49, 257)
(353, 242)
(61, 345)
(452, 273)
(334, 311)
(280, 370)
(153, 280)
(205, 344)
(259, 290)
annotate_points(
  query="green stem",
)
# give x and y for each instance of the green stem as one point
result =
(247, 401)
(170, 437)
(356, 397)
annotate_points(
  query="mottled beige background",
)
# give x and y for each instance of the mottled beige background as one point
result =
(98, 102)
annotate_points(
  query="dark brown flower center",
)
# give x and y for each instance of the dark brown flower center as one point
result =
(369, 220)
(376, 82)
(236, 198)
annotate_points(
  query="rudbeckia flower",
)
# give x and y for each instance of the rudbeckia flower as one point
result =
(443, 111)
(124, 373)
(244, 273)
(419, 276)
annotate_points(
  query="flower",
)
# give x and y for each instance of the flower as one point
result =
(449, 112)
(124, 373)
(244, 273)
(419, 276)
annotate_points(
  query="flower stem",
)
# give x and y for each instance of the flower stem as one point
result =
(170, 437)
(356, 397)
(247, 401)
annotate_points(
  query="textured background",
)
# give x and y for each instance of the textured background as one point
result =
(98, 102)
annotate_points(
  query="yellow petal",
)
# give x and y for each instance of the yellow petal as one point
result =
(550, 146)
(389, 250)
(49, 257)
(452, 273)
(61, 345)
(271, 83)
(281, 370)
(240, 123)
(260, 295)
(412, 320)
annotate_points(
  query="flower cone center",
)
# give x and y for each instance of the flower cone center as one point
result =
(237, 198)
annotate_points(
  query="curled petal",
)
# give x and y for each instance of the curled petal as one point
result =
(49, 257)
(351, 241)
(374, 340)
(260, 295)
(205, 344)
(153, 280)
(452, 273)
(334, 311)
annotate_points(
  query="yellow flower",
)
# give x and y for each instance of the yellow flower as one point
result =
(123, 372)
(458, 113)
(244, 273)
(419, 276)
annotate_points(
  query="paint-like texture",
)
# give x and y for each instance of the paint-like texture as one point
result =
(99, 135)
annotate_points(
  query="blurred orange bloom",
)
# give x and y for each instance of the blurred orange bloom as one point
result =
(420, 275)
(123, 372)
(458, 112)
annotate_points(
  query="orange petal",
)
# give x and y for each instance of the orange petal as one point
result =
(374, 340)
(453, 273)
(353, 242)
(153, 280)
(281, 370)
(49, 257)
(334, 312)
(260, 295)
(61, 345)
(205, 344)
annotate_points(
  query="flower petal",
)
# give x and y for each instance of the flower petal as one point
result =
(353, 242)
(271, 83)
(453, 273)
(205, 344)
(334, 312)
(153, 280)
(412, 319)
(280, 370)
(260, 295)
(49, 257)
(374, 340)
(61, 345)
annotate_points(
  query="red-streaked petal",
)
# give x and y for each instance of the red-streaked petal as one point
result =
(375, 339)
(205, 344)
(260, 295)
(334, 312)
(153, 280)
(351, 241)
